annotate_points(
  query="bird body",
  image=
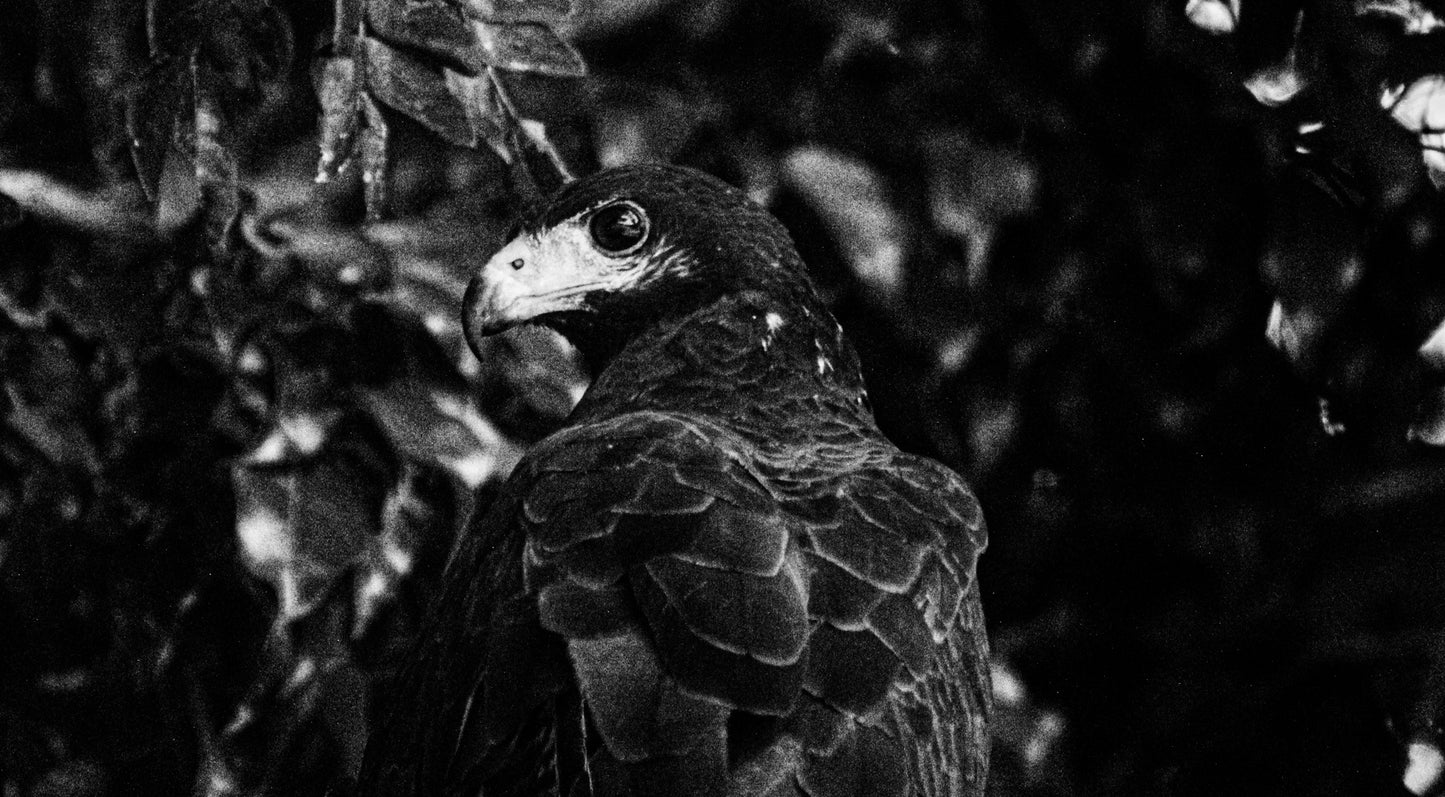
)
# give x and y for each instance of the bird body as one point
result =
(718, 578)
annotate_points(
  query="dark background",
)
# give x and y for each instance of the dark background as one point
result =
(240, 426)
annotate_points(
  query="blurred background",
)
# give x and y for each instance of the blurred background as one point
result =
(1161, 278)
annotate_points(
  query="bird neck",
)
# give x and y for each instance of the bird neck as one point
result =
(744, 354)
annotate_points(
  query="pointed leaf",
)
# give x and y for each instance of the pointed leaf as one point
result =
(429, 273)
(1213, 16)
(486, 110)
(417, 89)
(216, 167)
(1277, 84)
(375, 161)
(1412, 15)
(338, 92)
(299, 528)
(536, 164)
(150, 114)
(435, 28)
(539, 367)
(852, 199)
(1428, 426)
(548, 11)
(442, 427)
(408, 520)
(1420, 109)
(528, 47)
(61, 438)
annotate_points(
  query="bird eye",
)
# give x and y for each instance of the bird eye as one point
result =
(618, 228)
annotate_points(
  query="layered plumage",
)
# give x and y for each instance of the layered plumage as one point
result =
(719, 577)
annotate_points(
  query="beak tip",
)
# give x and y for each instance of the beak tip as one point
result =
(479, 317)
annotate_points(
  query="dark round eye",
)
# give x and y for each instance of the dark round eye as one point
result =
(618, 228)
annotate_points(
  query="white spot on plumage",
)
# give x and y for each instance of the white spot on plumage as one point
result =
(774, 323)
(824, 364)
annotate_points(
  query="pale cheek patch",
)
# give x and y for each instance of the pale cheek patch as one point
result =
(571, 243)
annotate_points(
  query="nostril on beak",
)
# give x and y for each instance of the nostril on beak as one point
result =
(517, 264)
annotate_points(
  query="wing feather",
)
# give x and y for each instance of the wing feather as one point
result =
(669, 590)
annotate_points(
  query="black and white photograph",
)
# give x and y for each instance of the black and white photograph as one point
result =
(722, 398)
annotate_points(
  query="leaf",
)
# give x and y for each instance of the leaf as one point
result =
(100, 213)
(528, 47)
(307, 370)
(1432, 351)
(151, 110)
(854, 203)
(1028, 736)
(1414, 17)
(430, 272)
(537, 167)
(115, 297)
(1428, 426)
(375, 161)
(59, 437)
(247, 47)
(972, 188)
(434, 27)
(333, 255)
(539, 367)
(339, 94)
(1213, 16)
(495, 121)
(547, 11)
(441, 426)
(298, 666)
(1278, 83)
(408, 520)
(417, 89)
(294, 437)
(299, 528)
(547, 166)
(1314, 262)
(216, 167)
(486, 110)
(1420, 109)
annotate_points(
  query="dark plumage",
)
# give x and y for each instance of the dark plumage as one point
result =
(719, 577)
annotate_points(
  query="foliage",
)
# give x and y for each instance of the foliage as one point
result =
(239, 424)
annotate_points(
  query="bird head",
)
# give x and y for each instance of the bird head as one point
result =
(625, 249)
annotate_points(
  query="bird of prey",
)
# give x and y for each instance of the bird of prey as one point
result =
(718, 578)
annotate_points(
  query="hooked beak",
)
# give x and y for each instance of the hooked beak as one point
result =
(527, 279)
(497, 298)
